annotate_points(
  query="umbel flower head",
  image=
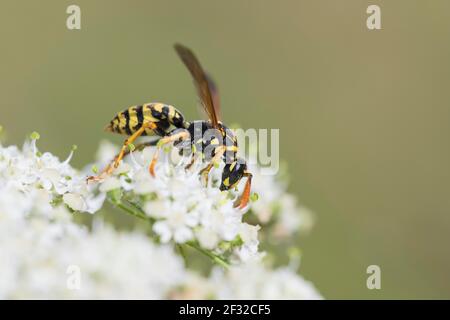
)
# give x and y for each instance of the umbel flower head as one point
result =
(29, 169)
(177, 203)
(41, 246)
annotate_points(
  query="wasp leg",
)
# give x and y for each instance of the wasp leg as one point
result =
(110, 168)
(131, 139)
(191, 163)
(171, 138)
(138, 147)
(218, 153)
(141, 146)
(242, 201)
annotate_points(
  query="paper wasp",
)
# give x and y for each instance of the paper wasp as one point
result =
(168, 122)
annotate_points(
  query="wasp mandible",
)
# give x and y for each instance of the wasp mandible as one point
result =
(168, 122)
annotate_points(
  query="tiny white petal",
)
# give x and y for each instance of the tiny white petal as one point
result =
(74, 201)
(109, 184)
(183, 234)
(207, 238)
(162, 229)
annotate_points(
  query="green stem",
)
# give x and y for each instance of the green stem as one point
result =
(182, 253)
(136, 211)
(214, 257)
(131, 211)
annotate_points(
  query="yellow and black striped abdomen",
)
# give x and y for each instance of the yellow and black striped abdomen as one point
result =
(163, 115)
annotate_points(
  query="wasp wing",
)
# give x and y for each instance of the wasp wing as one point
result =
(215, 95)
(202, 83)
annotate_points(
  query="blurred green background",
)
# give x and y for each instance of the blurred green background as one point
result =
(364, 115)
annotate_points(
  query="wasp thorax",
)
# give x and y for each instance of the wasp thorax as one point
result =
(232, 173)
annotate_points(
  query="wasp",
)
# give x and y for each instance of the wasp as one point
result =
(211, 138)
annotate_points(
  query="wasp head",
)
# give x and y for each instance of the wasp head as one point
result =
(232, 173)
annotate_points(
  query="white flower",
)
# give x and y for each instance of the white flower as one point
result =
(177, 224)
(110, 183)
(27, 171)
(278, 207)
(184, 209)
(249, 281)
(249, 250)
(292, 217)
(74, 201)
(39, 241)
(269, 190)
(249, 233)
(207, 238)
(255, 281)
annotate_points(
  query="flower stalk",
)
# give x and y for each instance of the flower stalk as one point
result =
(39, 195)
(134, 210)
(214, 257)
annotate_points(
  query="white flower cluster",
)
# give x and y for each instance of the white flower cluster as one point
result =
(182, 208)
(28, 170)
(255, 281)
(277, 207)
(247, 282)
(45, 254)
(39, 242)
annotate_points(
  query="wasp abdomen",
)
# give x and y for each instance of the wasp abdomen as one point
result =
(163, 115)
